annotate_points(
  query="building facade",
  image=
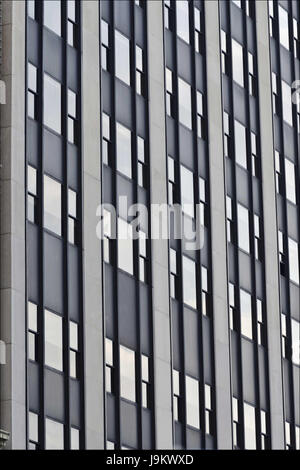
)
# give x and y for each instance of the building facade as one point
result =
(116, 338)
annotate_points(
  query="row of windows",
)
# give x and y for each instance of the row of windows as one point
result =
(52, 17)
(52, 104)
(54, 434)
(127, 370)
(122, 58)
(246, 437)
(52, 209)
(53, 340)
(289, 31)
(192, 402)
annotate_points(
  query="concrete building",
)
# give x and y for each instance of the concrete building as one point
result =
(142, 343)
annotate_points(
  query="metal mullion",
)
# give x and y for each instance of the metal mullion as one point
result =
(179, 252)
(198, 254)
(134, 98)
(236, 248)
(116, 344)
(66, 368)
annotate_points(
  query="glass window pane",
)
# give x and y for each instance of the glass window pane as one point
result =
(237, 63)
(185, 103)
(141, 149)
(72, 203)
(122, 57)
(294, 261)
(125, 246)
(74, 439)
(127, 373)
(283, 27)
(250, 429)
(52, 205)
(124, 150)
(73, 335)
(32, 316)
(246, 314)
(145, 368)
(106, 126)
(296, 342)
(290, 182)
(243, 228)
(71, 10)
(187, 191)
(31, 183)
(33, 427)
(240, 144)
(52, 103)
(52, 15)
(192, 402)
(182, 15)
(54, 435)
(287, 103)
(72, 103)
(53, 340)
(176, 385)
(32, 77)
(31, 8)
(189, 282)
(109, 352)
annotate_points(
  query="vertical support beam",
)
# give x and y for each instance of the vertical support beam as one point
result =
(160, 266)
(218, 226)
(93, 315)
(12, 226)
(270, 226)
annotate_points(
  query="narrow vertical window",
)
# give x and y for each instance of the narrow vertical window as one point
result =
(53, 341)
(185, 103)
(287, 103)
(74, 347)
(225, 57)
(122, 57)
(32, 213)
(107, 235)
(124, 150)
(209, 422)
(105, 64)
(233, 318)
(249, 426)
(169, 93)
(227, 135)
(146, 401)
(243, 228)
(31, 9)
(183, 22)
(201, 125)
(192, 402)
(52, 205)
(295, 342)
(199, 37)
(142, 180)
(52, 103)
(240, 144)
(52, 15)
(237, 63)
(32, 95)
(125, 246)
(187, 191)
(140, 77)
(72, 217)
(143, 263)
(176, 396)
(54, 434)
(71, 27)
(33, 422)
(106, 144)
(246, 314)
(127, 374)
(109, 366)
(168, 15)
(204, 291)
(174, 282)
(257, 238)
(283, 27)
(32, 331)
(75, 438)
(189, 282)
(294, 261)
(72, 118)
(290, 181)
(230, 220)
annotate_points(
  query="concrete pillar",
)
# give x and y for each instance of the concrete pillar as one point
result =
(270, 226)
(160, 269)
(218, 226)
(12, 226)
(93, 314)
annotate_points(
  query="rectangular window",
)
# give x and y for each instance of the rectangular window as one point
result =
(74, 346)
(52, 103)
(32, 213)
(32, 108)
(142, 177)
(251, 71)
(243, 228)
(294, 261)
(296, 37)
(105, 45)
(127, 374)
(125, 246)
(227, 135)
(143, 263)
(201, 128)
(283, 27)
(230, 220)
(54, 435)
(258, 248)
(109, 366)
(250, 426)
(174, 281)
(192, 402)
(287, 103)
(236, 424)
(254, 156)
(52, 15)
(169, 93)
(31, 8)
(72, 28)
(145, 382)
(233, 319)
(107, 235)
(240, 144)
(168, 14)
(204, 291)
(185, 103)
(246, 314)
(237, 63)
(122, 57)
(52, 205)
(72, 217)
(224, 46)
(33, 430)
(189, 282)
(75, 439)
(183, 22)
(176, 396)
(72, 118)
(295, 342)
(260, 323)
(290, 181)
(203, 202)
(106, 144)
(209, 424)
(199, 37)
(187, 191)
(123, 150)
(53, 341)
(140, 77)
(32, 323)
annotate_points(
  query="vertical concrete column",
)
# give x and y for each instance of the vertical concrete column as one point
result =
(218, 226)
(160, 268)
(93, 314)
(12, 226)
(270, 226)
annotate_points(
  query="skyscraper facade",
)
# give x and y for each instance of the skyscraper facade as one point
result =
(119, 329)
